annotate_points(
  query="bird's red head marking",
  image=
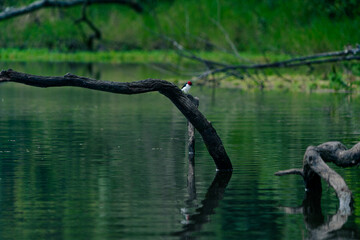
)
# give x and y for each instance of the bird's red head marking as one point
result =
(189, 82)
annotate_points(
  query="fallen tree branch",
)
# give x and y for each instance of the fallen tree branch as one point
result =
(315, 168)
(214, 67)
(11, 12)
(285, 64)
(171, 91)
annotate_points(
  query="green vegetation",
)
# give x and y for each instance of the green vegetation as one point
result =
(212, 29)
(340, 77)
(132, 56)
(295, 26)
(44, 55)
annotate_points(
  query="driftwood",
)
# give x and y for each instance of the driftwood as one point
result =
(171, 91)
(315, 168)
(11, 12)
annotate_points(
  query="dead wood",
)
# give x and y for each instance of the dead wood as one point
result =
(213, 68)
(315, 168)
(171, 91)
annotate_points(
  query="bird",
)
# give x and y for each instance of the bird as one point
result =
(186, 87)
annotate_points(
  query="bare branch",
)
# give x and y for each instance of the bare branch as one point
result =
(96, 32)
(213, 67)
(17, 11)
(296, 171)
(171, 91)
(315, 168)
(337, 153)
(314, 160)
(286, 64)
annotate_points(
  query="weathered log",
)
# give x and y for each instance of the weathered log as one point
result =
(315, 168)
(180, 100)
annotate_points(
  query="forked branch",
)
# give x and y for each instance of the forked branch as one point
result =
(315, 168)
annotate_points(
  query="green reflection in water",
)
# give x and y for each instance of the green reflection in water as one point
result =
(81, 164)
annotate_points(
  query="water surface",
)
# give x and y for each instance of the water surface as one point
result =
(82, 164)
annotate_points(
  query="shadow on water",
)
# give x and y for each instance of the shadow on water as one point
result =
(317, 225)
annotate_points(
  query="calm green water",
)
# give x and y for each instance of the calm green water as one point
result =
(81, 164)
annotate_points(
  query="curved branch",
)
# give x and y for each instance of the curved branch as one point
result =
(337, 153)
(14, 12)
(314, 160)
(181, 101)
(315, 168)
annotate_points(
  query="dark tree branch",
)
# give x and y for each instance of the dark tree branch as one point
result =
(17, 11)
(315, 168)
(96, 32)
(181, 101)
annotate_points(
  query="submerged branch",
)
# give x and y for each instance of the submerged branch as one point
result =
(315, 168)
(171, 91)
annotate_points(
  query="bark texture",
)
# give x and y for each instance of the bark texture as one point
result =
(180, 100)
(315, 168)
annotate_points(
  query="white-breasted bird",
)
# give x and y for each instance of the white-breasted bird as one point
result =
(186, 87)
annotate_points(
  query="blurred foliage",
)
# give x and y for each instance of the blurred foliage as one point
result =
(340, 8)
(264, 26)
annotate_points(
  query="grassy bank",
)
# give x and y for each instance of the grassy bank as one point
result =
(329, 77)
(131, 56)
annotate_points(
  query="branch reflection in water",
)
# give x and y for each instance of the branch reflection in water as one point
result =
(215, 193)
(317, 225)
